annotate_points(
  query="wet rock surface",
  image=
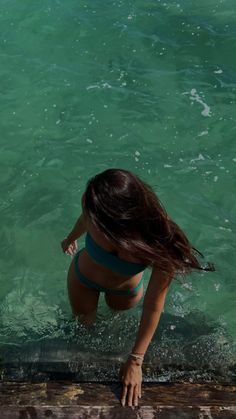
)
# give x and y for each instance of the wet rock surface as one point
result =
(101, 400)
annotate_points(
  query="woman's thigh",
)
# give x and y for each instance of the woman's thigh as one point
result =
(83, 300)
(120, 302)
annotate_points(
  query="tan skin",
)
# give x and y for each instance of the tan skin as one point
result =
(84, 300)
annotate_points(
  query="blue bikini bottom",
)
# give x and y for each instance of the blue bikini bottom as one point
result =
(93, 285)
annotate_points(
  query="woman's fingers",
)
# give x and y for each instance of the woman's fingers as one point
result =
(136, 395)
(123, 395)
(73, 247)
(69, 249)
(130, 395)
(140, 391)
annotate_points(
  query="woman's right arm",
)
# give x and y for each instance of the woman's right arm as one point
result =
(78, 230)
(69, 244)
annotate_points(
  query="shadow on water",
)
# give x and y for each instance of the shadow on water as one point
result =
(193, 348)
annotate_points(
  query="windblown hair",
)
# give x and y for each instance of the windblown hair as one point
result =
(128, 212)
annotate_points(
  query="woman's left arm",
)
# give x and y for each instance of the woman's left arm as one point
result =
(131, 373)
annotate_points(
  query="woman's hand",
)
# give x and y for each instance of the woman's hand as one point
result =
(131, 377)
(68, 247)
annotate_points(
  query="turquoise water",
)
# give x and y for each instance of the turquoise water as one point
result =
(147, 86)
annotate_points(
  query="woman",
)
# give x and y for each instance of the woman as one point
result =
(127, 230)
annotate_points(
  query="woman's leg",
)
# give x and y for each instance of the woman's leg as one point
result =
(83, 300)
(123, 302)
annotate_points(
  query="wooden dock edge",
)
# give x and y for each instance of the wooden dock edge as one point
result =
(64, 400)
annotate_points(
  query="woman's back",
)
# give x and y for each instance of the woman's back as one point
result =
(101, 274)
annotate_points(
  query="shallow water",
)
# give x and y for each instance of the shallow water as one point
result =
(149, 87)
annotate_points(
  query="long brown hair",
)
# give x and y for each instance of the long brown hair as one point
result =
(128, 212)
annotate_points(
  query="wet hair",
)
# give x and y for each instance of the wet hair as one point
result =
(128, 212)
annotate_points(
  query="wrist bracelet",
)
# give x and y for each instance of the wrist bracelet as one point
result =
(135, 356)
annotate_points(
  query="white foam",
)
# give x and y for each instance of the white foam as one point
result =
(99, 86)
(203, 133)
(217, 287)
(194, 96)
(224, 228)
(200, 157)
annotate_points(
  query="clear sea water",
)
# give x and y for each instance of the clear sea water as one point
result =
(148, 86)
